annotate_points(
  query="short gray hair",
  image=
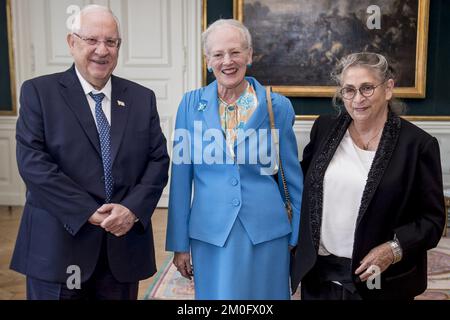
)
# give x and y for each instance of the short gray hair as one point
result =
(76, 22)
(372, 61)
(226, 22)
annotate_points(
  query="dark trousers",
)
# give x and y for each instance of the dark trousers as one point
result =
(318, 283)
(101, 286)
(327, 291)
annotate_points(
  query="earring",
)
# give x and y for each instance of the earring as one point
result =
(249, 65)
(209, 69)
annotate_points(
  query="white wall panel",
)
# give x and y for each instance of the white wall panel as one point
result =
(11, 187)
(55, 31)
(5, 164)
(159, 86)
(146, 32)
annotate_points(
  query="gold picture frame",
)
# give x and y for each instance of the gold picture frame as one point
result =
(13, 109)
(205, 25)
(417, 90)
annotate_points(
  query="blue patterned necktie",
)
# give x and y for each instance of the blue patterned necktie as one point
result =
(105, 144)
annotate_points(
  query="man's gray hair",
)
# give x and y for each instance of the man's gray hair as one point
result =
(76, 22)
(226, 22)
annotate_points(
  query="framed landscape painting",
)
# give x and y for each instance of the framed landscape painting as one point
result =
(297, 43)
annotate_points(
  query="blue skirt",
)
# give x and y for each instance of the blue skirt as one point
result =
(240, 270)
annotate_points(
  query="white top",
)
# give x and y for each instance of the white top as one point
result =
(106, 102)
(343, 186)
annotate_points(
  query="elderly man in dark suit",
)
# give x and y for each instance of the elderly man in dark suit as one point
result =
(94, 160)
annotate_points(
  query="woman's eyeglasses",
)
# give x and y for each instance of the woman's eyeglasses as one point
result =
(366, 90)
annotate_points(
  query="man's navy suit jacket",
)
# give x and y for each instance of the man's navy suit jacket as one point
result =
(59, 159)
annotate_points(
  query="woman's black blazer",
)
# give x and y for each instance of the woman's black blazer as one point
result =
(403, 196)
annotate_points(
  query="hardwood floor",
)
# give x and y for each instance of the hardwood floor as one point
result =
(12, 284)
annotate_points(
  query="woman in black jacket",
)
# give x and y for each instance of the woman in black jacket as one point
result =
(373, 197)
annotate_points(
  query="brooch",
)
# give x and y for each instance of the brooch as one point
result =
(202, 105)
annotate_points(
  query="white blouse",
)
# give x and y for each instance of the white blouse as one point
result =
(343, 186)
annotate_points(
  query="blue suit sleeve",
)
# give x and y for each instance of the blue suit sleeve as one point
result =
(177, 238)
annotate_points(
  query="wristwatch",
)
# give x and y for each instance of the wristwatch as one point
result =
(396, 249)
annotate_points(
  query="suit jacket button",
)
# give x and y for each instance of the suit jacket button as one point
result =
(236, 202)
(234, 182)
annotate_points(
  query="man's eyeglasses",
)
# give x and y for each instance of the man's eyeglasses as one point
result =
(110, 43)
(366, 90)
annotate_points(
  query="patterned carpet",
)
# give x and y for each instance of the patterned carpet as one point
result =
(169, 284)
(438, 273)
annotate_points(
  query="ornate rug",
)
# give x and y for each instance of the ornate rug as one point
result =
(169, 284)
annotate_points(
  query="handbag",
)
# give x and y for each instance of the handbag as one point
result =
(287, 198)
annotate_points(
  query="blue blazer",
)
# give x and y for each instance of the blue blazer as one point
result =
(222, 191)
(59, 159)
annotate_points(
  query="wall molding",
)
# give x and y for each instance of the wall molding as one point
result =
(8, 123)
(192, 10)
(12, 189)
(23, 49)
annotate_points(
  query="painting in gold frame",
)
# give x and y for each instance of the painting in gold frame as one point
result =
(9, 110)
(298, 42)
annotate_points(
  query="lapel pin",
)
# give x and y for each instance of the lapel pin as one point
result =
(120, 103)
(202, 105)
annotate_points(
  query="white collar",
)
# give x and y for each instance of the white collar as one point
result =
(87, 87)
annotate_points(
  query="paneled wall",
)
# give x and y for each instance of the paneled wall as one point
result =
(11, 188)
(161, 50)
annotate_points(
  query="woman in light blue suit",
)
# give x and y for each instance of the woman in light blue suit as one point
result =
(226, 207)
